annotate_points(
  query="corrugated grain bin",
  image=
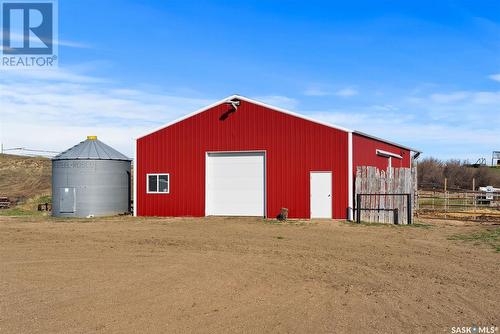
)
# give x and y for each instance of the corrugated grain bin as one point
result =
(90, 179)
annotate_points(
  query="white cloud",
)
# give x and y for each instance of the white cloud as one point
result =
(460, 124)
(315, 91)
(439, 139)
(346, 92)
(59, 137)
(279, 101)
(318, 91)
(487, 97)
(385, 107)
(450, 97)
(495, 77)
(53, 111)
(47, 74)
(73, 44)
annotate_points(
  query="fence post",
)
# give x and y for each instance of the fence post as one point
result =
(409, 208)
(396, 216)
(445, 197)
(474, 192)
(358, 207)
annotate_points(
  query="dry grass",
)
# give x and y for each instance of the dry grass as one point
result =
(23, 178)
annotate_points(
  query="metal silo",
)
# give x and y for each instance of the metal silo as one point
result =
(90, 179)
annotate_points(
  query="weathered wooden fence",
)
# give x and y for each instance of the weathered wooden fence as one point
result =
(379, 202)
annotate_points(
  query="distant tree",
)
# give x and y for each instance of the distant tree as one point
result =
(432, 172)
(458, 174)
(487, 177)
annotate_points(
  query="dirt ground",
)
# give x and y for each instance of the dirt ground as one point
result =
(216, 275)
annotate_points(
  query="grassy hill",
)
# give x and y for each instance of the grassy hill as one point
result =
(24, 178)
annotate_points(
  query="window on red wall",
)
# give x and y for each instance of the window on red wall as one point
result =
(158, 183)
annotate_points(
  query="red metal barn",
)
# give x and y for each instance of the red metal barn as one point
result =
(240, 157)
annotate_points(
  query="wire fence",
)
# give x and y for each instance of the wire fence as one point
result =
(458, 200)
(459, 205)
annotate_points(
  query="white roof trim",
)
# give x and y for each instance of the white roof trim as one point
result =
(388, 154)
(242, 98)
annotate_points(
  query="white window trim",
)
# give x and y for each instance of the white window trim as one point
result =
(157, 183)
(388, 154)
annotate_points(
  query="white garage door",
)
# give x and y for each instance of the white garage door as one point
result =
(235, 184)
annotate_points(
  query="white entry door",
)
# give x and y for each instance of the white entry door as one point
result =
(235, 184)
(321, 194)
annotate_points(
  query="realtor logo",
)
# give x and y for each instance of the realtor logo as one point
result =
(29, 32)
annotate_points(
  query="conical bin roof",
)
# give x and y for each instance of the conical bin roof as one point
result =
(91, 149)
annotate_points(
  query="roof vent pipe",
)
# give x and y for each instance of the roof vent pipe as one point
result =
(235, 103)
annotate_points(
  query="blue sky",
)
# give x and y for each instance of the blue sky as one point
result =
(423, 73)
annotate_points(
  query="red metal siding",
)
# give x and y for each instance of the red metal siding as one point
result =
(293, 146)
(364, 153)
